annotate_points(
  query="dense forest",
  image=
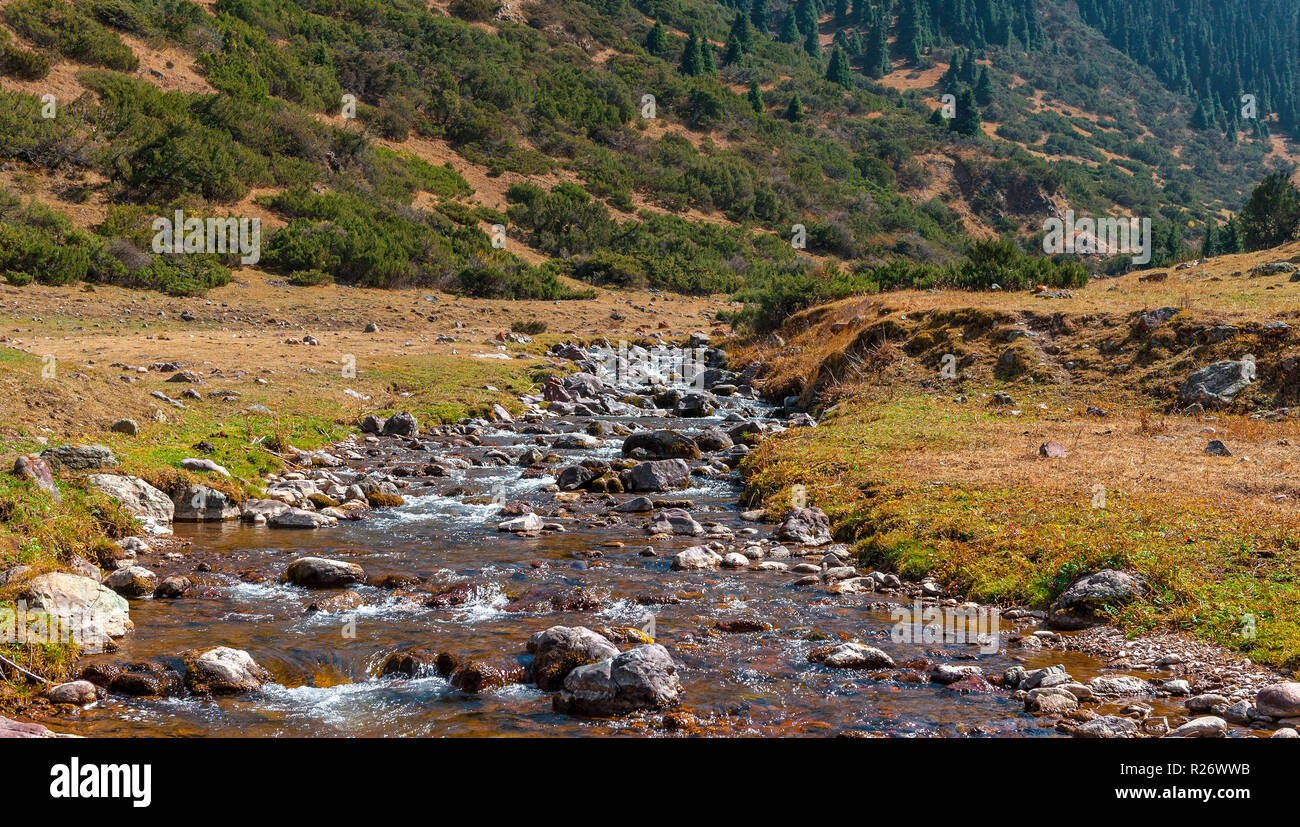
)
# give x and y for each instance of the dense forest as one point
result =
(767, 121)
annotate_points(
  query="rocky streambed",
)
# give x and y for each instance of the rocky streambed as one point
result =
(581, 569)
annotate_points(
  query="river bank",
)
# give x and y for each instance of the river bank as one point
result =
(589, 511)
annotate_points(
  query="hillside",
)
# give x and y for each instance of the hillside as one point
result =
(533, 117)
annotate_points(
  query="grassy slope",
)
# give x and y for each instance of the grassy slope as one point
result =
(923, 484)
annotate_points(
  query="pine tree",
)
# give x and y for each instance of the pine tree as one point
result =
(967, 119)
(692, 64)
(984, 88)
(755, 97)
(656, 42)
(877, 57)
(1210, 244)
(841, 13)
(794, 112)
(812, 44)
(837, 71)
(758, 13)
(805, 17)
(708, 59)
(789, 32)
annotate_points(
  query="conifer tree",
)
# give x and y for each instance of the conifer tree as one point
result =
(837, 71)
(794, 112)
(755, 97)
(692, 64)
(656, 42)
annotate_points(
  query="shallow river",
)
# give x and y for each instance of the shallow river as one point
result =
(325, 664)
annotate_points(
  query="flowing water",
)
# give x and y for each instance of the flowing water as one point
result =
(325, 664)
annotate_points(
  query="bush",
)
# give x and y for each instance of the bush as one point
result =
(22, 64)
(310, 278)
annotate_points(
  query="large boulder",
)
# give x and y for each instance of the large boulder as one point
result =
(323, 573)
(199, 503)
(132, 581)
(402, 424)
(696, 558)
(560, 649)
(90, 613)
(851, 656)
(223, 671)
(152, 507)
(38, 471)
(675, 521)
(807, 526)
(301, 518)
(1218, 383)
(1084, 601)
(643, 677)
(78, 457)
(660, 445)
(9, 728)
(76, 693)
(1281, 700)
(658, 475)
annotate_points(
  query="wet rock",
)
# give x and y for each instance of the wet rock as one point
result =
(77, 693)
(145, 679)
(1107, 726)
(1219, 383)
(372, 425)
(643, 677)
(91, 613)
(807, 526)
(132, 581)
(661, 445)
(559, 650)
(713, 439)
(154, 508)
(37, 470)
(693, 405)
(575, 442)
(742, 625)
(10, 728)
(675, 521)
(851, 656)
(1281, 700)
(402, 424)
(734, 560)
(658, 475)
(337, 603)
(199, 503)
(696, 558)
(223, 671)
(477, 677)
(1081, 603)
(300, 518)
(261, 511)
(1052, 700)
(321, 572)
(1205, 703)
(574, 477)
(972, 684)
(78, 457)
(1120, 686)
(1209, 726)
(172, 587)
(526, 523)
(414, 663)
(636, 505)
(946, 673)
